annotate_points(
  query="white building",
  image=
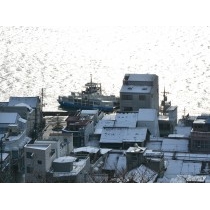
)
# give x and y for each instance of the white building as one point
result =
(14, 137)
(148, 118)
(139, 91)
(38, 160)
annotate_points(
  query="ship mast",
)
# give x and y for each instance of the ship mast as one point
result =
(164, 103)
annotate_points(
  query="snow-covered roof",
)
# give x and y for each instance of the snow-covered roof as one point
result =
(180, 167)
(89, 112)
(154, 145)
(104, 150)
(8, 118)
(116, 120)
(141, 77)
(22, 120)
(37, 146)
(65, 159)
(192, 157)
(31, 101)
(88, 149)
(135, 89)
(188, 178)
(101, 124)
(136, 149)
(147, 114)
(109, 116)
(175, 145)
(24, 105)
(111, 162)
(126, 120)
(118, 135)
(142, 174)
(183, 130)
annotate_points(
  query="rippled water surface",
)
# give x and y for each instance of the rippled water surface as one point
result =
(61, 60)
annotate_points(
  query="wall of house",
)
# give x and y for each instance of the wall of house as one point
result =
(135, 101)
(37, 166)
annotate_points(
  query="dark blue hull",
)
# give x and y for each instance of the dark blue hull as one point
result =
(68, 105)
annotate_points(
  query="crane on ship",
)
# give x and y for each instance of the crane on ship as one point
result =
(164, 103)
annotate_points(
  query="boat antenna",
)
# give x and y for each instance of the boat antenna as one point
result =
(91, 82)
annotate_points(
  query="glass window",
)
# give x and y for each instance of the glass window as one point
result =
(127, 97)
(29, 155)
(39, 162)
(29, 170)
(142, 97)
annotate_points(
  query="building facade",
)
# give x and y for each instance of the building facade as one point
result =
(139, 91)
(200, 135)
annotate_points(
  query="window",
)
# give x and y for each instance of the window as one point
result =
(29, 170)
(39, 162)
(128, 109)
(52, 152)
(29, 155)
(127, 97)
(142, 97)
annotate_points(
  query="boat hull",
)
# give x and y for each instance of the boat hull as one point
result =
(74, 106)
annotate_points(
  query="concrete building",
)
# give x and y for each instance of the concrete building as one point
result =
(70, 169)
(139, 91)
(14, 138)
(135, 157)
(38, 160)
(25, 112)
(149, 118)
(81, 128)
(200, 135)
(5, 167)
(123, 137)
(44, 152)
(35, 119)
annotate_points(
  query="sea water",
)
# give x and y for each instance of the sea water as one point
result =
(60, 60)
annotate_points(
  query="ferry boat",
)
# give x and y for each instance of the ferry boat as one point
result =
(90, 98)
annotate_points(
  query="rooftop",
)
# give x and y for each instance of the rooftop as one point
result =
(180, 167)
(118, 135)
(147, 114)
(135, 89)
(136, 149)
(8, 118)
(31, 101)
(38, 146)
(141, 77)
(88, 149)
(126, 120)
(175, 145)
(66, 159)
(142, 174)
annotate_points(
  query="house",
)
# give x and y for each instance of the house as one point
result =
(38, 161)
(139, 91)
(70, 169)
(81, 128)
(44, 152)
(148, 118)
(141, 174)
(115, 164)
(200, 135)
(135, 157)
(13, 135)
(123, 137)
(25, 111)
(36, 118)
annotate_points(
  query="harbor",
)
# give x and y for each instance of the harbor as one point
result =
(94, 144)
